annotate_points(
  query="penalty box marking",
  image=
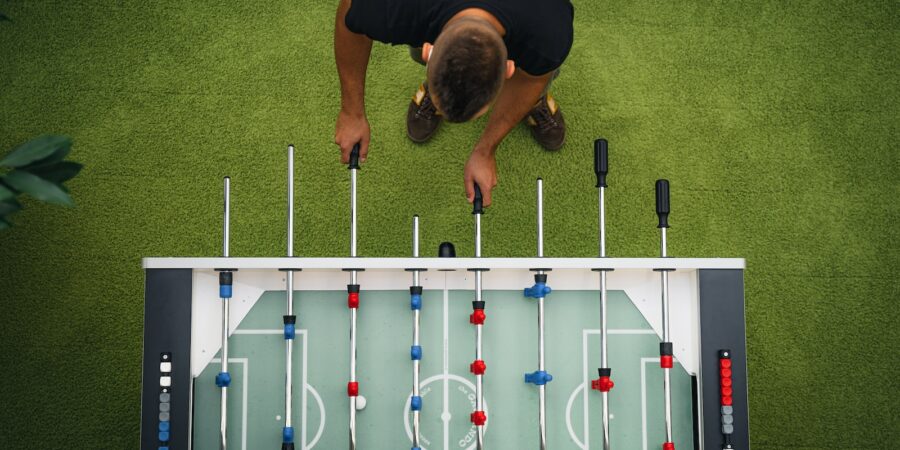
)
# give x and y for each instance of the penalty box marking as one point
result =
(585, 444)
(305, 381)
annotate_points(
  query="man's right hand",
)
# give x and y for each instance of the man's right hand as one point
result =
(350, 130)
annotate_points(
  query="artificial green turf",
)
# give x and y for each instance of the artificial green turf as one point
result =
(776, 121)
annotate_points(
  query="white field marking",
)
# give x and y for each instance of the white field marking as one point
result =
(644, 362)
(446, 379)
(445, 415)
(303, 397)
(246, 363)
(315, 394)
(305, 377)
(586, 388)
(569, 417)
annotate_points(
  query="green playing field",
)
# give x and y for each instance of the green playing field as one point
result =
(256, 358)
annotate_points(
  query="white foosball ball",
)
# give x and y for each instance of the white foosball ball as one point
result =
(437, 352)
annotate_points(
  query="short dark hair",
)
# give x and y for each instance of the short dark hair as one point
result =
(466, 70)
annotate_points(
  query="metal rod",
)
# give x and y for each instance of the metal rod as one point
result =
(416, 324)
(542, 396)
(353, 311)
(289, 288)
(479, 379)
(667, 388)
(290, 205)
(226, 235)
(227, 226)
(604, 330)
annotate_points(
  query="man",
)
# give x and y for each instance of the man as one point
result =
(479, 54)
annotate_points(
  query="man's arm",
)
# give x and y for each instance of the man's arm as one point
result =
(518, 96)
(351, 52)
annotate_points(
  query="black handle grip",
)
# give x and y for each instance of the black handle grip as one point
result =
(478, 203)
(601, 161)
(662, 203)
(354, 157)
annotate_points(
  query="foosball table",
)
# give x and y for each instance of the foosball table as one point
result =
(442, 352)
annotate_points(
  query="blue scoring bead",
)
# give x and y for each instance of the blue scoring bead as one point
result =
(223, 379)
(289, 331)
(415, 403)
(538, 290)
(225, 291)
(538, 378)
(415, 301)
(288, 435)
(415, 352)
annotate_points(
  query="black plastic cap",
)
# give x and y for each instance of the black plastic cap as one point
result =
(724, 354)
(662, 203)
(540, 278)
(415, 290)
(606, 372)
(601, 161)
(353, 288)
(287, 446)
(478, 203)
(478, 305)
(225, 278)
(290, 320)
(446, 250)
(665, 348)
(354, 157)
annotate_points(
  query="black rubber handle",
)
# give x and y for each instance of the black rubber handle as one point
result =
(662, 203)
(447, 250)
(354, 157)
(601, 161)
(478, 203)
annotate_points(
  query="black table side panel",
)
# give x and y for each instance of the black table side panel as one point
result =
(722, 326)
(167, 328)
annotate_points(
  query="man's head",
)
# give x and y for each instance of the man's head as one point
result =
(466, 68)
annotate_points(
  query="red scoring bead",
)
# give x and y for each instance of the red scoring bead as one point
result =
(602, 384)
(479, 418)
(726, 373)
(726, 382)
(352, 389)
(726, 401)
(478, 367)
(665, 361)
(669, 446)
(727, 391)
(353, 300)
(477, 317)
(725, 363)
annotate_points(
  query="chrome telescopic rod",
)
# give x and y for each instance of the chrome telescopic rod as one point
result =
(223, 379)
(665, 348)
(416, 352)
(353, 297)
(542, 395)
(604, 384)
(479, 417)
(290, 320)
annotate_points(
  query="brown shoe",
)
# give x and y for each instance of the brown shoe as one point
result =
(547, 124)
(422, 118)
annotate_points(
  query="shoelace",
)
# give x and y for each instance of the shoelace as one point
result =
(426, 109)
(543, 117)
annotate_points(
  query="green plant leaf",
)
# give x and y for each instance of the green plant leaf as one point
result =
(4, 224)
(8, 207)
(38, 188)
(56, 172)
(41, 150)
(4, 17)
(6, 193)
